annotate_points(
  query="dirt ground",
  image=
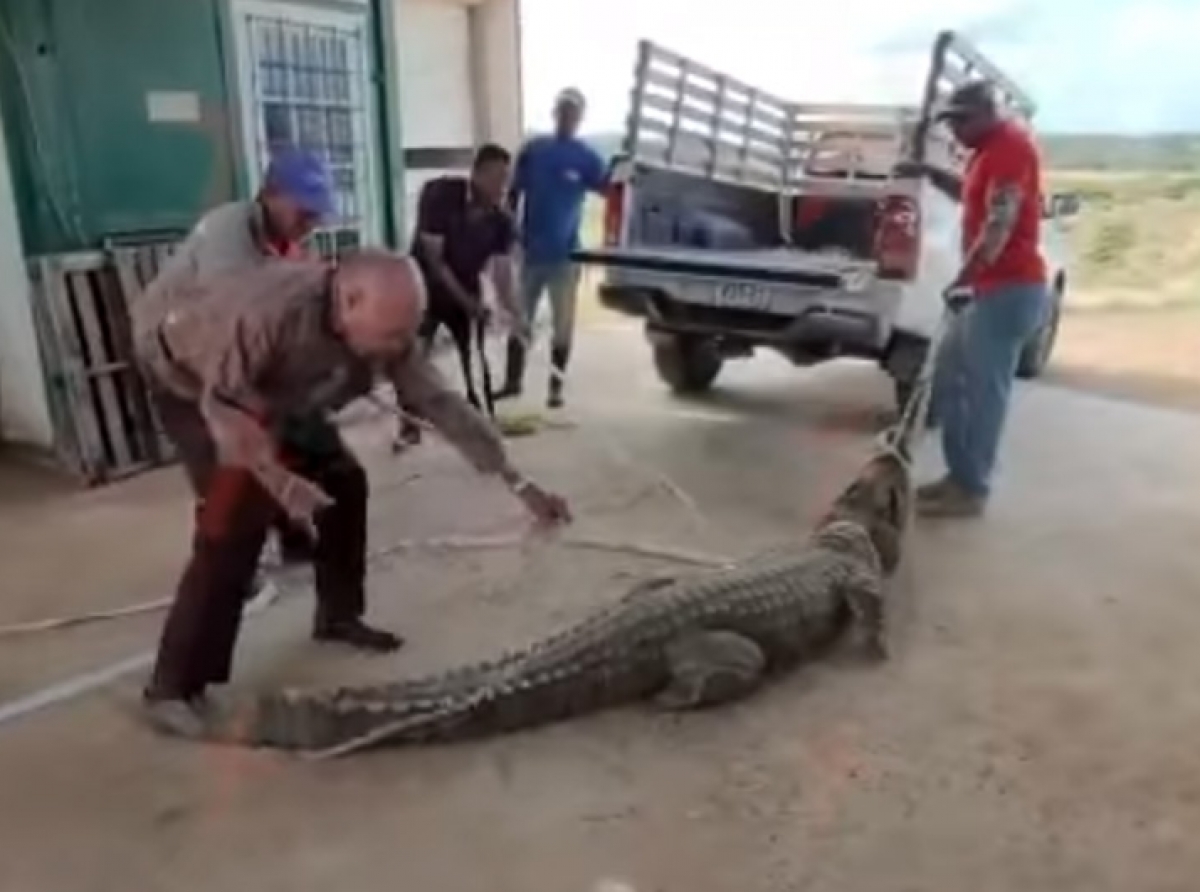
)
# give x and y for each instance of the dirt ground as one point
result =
(1035, 729)
(1150, 356)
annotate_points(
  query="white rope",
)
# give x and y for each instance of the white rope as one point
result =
(269, 593)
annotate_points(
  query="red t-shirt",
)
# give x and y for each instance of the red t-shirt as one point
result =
(286, 249)
(1007, 155)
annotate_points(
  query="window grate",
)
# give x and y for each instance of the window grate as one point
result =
(309, 90)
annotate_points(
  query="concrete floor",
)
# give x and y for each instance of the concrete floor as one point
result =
(1035, 729)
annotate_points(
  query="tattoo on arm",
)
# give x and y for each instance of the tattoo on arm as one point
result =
(1003, 206)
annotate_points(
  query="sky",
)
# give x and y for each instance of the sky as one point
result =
(1105, 66)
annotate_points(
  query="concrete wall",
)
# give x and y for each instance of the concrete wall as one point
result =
(459, 73)
(24, 405)
(496, 71)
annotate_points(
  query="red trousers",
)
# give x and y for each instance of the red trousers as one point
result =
(233, 516)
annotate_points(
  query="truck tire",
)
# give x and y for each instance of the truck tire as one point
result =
(1036, 354)
(687, 365)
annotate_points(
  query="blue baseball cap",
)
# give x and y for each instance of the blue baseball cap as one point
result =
(303, 177)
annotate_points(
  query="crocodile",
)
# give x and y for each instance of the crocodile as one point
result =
(686, 642)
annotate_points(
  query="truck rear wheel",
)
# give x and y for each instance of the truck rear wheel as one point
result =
(1036, 355)
(687, 365)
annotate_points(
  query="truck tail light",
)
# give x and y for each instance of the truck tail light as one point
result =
(614, 213)
(898, 237)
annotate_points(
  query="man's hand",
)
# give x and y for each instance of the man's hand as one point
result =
(547, 508)
(301, 500)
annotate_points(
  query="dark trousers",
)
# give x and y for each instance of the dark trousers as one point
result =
(460, 325)
(233, 516)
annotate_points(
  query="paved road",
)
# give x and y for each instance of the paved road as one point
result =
(1035, 730)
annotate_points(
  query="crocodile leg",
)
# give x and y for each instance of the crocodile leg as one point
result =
(863, 592)
(710, 668)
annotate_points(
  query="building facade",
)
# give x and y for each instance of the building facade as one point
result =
(125, 120)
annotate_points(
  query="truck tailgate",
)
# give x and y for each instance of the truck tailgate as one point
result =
(767, 290)
(779, 265)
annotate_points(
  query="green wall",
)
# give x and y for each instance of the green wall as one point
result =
(88, 161)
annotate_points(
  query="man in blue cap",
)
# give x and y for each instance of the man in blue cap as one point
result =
(295, 198)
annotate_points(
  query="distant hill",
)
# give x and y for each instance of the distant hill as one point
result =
(1083, 151)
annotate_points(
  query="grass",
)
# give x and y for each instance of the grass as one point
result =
(1136, 241)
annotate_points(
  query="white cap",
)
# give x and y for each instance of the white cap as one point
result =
(570, 96)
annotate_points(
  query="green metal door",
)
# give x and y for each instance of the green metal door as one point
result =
(120, 114)
(148, 110)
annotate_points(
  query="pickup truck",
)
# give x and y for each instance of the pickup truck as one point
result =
(736, 220)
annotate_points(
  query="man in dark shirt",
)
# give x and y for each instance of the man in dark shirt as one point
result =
(463, 230)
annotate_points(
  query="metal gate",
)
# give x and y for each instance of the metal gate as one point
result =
(104, 426)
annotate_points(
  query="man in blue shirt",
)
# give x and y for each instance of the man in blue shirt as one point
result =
(553, 176)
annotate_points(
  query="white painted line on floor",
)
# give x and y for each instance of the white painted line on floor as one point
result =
(73, 687)
(86, 682)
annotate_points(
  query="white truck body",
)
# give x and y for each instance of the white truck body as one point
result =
(737, 220)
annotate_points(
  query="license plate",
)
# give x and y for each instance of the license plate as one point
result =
(732, 296)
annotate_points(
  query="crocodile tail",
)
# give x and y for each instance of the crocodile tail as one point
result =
(567, 684)
(306, 720)
(438, 724)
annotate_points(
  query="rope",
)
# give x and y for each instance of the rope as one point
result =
(900, 437)
(434, 543)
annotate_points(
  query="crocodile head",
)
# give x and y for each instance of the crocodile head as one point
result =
(880, 500)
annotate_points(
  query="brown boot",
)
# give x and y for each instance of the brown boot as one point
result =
(949, 499)
(514, 371)
(558, 370)
(357, 634)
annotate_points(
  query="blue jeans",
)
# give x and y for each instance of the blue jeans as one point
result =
(974, 375)
(561, 281)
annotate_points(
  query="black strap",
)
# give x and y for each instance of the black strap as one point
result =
(489, 398)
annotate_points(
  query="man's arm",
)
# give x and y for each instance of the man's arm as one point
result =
(432, 226)
(422, 388)
(504, 277)
(503, 267)
(1007, 188)
(596, 172)
(949, 183)
(234, 411)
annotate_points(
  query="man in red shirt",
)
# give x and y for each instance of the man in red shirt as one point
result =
(1005, 276)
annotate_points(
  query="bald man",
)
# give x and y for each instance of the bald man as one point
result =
(284, 339)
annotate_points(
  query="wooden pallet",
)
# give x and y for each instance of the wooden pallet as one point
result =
(105, 426)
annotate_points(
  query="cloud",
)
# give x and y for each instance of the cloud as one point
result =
(1122, 66)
